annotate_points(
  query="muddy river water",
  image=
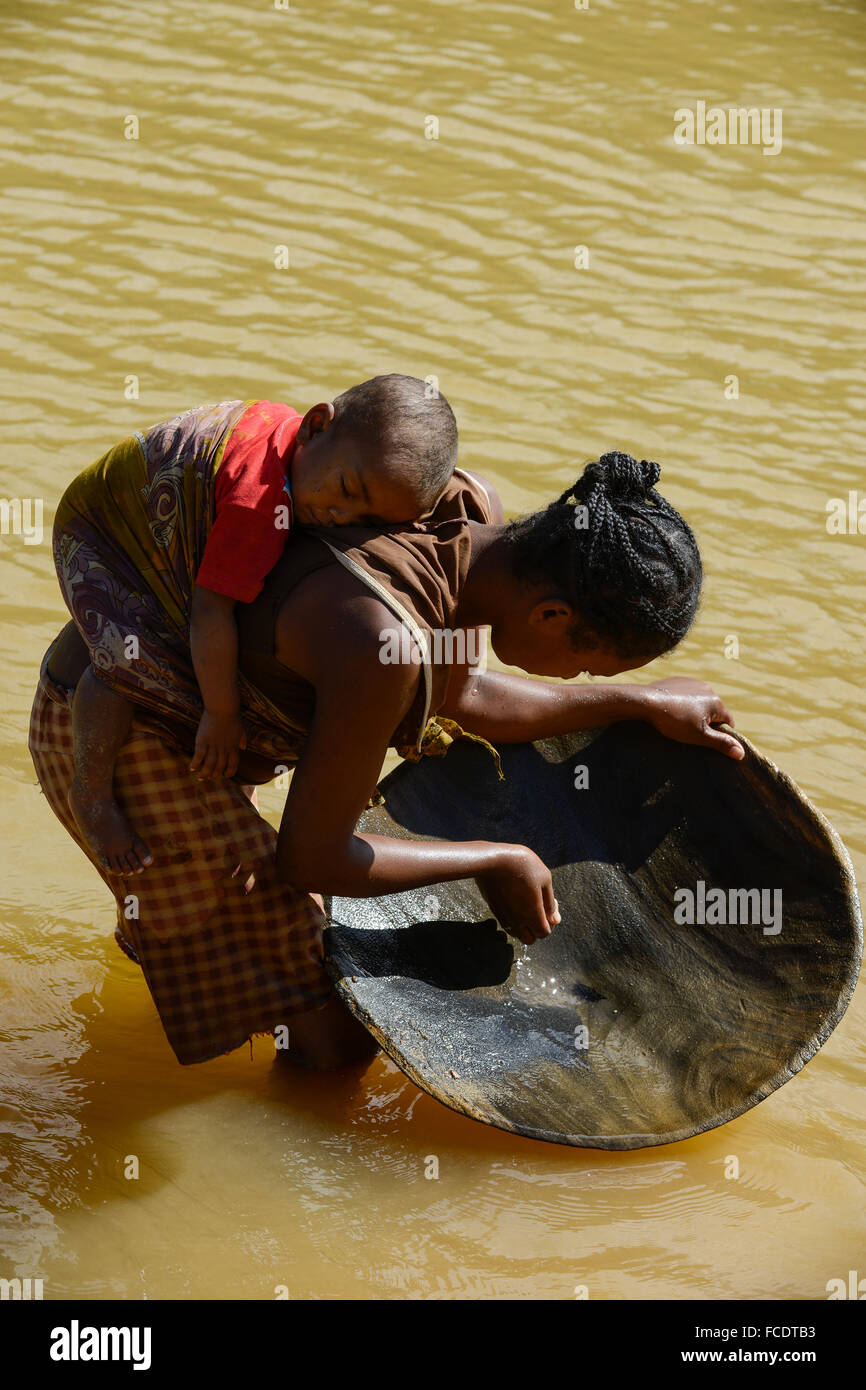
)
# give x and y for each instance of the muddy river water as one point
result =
(491, 194)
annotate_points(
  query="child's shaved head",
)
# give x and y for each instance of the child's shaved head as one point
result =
(399, 419)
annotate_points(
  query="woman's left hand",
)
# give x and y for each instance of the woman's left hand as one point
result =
(685, 710)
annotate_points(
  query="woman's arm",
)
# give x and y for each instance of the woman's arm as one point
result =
(516, 709)
(360, 701)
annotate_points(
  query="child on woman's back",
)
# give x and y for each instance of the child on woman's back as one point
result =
(382, 453)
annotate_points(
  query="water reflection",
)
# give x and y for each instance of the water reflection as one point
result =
(140, 279)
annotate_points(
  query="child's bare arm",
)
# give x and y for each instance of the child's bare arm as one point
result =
(213, 639)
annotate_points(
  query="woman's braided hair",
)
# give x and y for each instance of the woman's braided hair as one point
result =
(621, 554)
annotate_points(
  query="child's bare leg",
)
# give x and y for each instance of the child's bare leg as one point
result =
(101, 721)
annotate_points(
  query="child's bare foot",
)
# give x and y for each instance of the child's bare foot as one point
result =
(107, 833)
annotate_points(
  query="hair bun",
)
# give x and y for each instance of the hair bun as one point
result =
(617, 477)
(623, 477)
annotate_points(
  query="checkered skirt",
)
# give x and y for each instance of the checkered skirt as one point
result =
(226, 949)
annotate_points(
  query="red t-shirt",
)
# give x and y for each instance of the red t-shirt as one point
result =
(245, 542)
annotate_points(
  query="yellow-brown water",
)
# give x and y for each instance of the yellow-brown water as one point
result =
(154, 258)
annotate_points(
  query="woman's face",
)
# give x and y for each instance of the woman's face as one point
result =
(535, 638)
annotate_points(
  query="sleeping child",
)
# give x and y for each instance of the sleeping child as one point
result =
(180, 523)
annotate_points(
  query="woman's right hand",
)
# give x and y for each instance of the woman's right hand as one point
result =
(519, 892)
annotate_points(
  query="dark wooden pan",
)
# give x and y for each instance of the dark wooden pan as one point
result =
(624, 1028)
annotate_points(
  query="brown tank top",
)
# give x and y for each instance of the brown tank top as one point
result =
(417, 569)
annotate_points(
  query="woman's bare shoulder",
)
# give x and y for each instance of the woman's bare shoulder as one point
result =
(331, 622)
